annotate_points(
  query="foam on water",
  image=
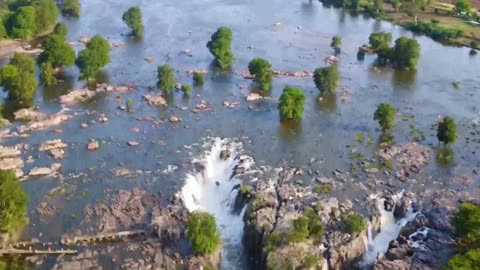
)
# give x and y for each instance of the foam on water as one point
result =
(390, 228)
(213, 191)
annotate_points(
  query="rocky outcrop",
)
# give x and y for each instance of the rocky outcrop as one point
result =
(10, 159)
(45, 123)
(408, 158)
(156, 100)
(82, 95)
(345, 250)
(37, 171)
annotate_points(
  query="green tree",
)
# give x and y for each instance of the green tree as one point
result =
(327, 79)
(380, 41)
(447, 130)
(407, 53)
(3, 30)
(71, 8)
(94, 57)
(166, 79)
(378, 4)
(203, 233)
(133, 18)
(336, 41)
(46, 12)
(300, 230)
(262, 70)
(467, 261)
(57, 52)
(60, 29)
(18, 78)
(463, 6)
(354, 223)
(291, 103)
(219, 46)
(47, 73)
(413, 7)
(22, 24)
(198, 79)
(396, 4)
(466, 223)
(385, 115)
(13, 204)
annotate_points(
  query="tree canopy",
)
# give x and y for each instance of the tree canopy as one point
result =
(463, 6)
(380, 40)
(466, 223)
(13, 204)
(57, 52)
(94, 57)
(385, 115)
(60, 29)
(46, 13)
(219, 46)
(407, 53)
(447, 130)
(327, 79)
(467, 261)
(71, 8)
(203, 233)
(291, 103)
(18, 78)
(262, 70)
(22, 24)
(133, 18)
(166, 80)
(354, 223)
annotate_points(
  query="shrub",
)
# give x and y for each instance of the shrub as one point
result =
(354, 223)
(466, 223)
(447, 130)
(327, 79)
(71, 8)
(186, 88)
(57, 52)
(46, 14)
(467, 261)
(323, 188)
(18, 78)
(463, 6)
(291, 103)
(198, 79)
(300, 230)
(272, 241)
(262, 70)
(60, 29)
(219, 47)
(202, 232)
(317, 230)
(22, 24)
(47, 73)
(13, 202)
(407, 53)
(166, 80)
(385, 115)
(94, 57)
(133, 18)
(336, 41)
(380, 40)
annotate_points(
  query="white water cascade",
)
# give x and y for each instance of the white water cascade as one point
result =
(212, 191)
(389, 229)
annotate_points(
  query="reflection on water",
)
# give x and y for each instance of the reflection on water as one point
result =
(404, 78)
(327, 102)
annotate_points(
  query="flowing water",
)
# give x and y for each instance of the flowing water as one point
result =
(301, 41)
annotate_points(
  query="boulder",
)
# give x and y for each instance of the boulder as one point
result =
(52, 144)
(45, 170)
(175, 119)
(77, 96)
(156, 100)
(225, 154)
(253, 97)
(133, 143)
(29, 115)
(93, 145)
(48, 122)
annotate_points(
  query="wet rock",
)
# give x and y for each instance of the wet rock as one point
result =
(84, 125)
(230, 105)
(52, 144)
(48, 122)
(37, 171)
(225, 154)
(303, 73)
(175, 119)
(401, 207)
(133, 143)
(77, 96)
(84, 39)
(10, 159)
(156, 100)
(253, 97)
(93, 145)
(134, 130)
(409, 158)
(57, 153)
(103, 119)
(391, 265)
(121, 172)
(149, 59)
(29, 114)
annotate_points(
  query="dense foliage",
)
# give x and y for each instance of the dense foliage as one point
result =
(467, 225)
(262, 70)
(434, 30)
(291, 104)
(22, 23)
(380, 40)
(447, 130)
(219, 46)
(57, 52)
(385, 115)
(133, 18)
(13, 204)
(327, 79)
(463, 6)
(47, 73)
(18, 78)
(336, 41)
(202, 232)
(166, 80)
(60, 29)
(94, 57)
(46, 13)
(467, 261)
(407, 53)
(198, 79)
(71, 8)
(354, 223)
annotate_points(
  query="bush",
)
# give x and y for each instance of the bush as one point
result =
(336, 41)
(385, 115)
(291, 103)
(13, 202)
(262, 70)
(133, 18)
(468, 261)
(166, 80)
(463, 6)
(18, 78)
(202, 232)
(316, 228)
(466, 223)
(380, 40)
(474, 44)
(447, 130)
(60, 29)
(324, 188)
(327, 79)
(46, 14)
(47, 73)
(186, 88)
(219, 47)
(354, 223)
(407, 53)
(22, 24)
(94, 57)
(57, 52)
(198, 79)
(71, 8)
